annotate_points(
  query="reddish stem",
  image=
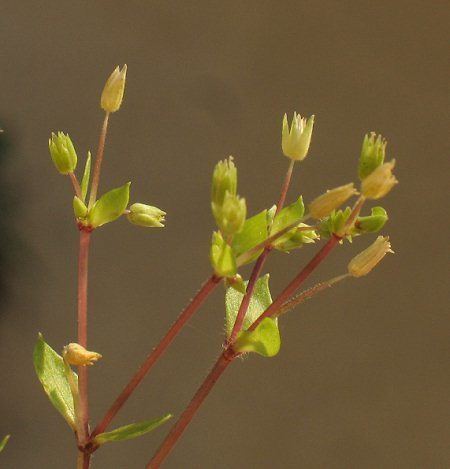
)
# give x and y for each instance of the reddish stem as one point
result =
(298, 280)
(240, 317)
(206, 289)
(76, 185)
(171, 439)
(98, 161)
(83, 260)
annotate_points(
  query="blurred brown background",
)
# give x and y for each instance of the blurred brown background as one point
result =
(362, 380)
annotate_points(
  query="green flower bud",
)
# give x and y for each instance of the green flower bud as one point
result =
(112, 94)
(231, 216)
(295, 140)
(366, 260)
(295, 239)
(379, 182)
(63, 153)
(224, 180)
(373, 222)
(372, 154)
(335, 223)
(222, 258)
(146, 215)
(79, 208)
(323, 205)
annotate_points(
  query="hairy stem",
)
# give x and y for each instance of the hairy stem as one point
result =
(207, 288)
(76, 185)
(98, 161)
(83, 259)
(259, 263)
(171, 439)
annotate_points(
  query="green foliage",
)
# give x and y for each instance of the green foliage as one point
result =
(334, 223)
(110, 206)
(297, 238)
(3, 442)
(86, 176)
(373, 222)
(133, 430)
(221, 255)
(50, 370)
(264, 340)
(259, 302)
(253, 233)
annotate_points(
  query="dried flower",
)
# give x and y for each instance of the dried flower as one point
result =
(76, 354)
(379, 182)
(366, 260)
(323, 205)
(112, 94)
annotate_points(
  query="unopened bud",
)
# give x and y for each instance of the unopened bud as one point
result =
(372, 223)
(63, 153)
(79, 208)
(224, 180)
(366, 260)
(77, 355)
(112, 94)
(295, 140)
(372, 154)
(146, 215)
(323, 205)
(222, 257)
(379, 182)
(231, 217)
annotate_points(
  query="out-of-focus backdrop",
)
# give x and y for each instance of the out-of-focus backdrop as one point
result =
(362, 380)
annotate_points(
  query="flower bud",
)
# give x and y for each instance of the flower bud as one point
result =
(77, 355)
(366, 260)
(379, 182)
(63, 153)
(79, 208)
(112, 94)
(231, 217)
(146, 215)
(295, 140)
(224, 180)
(323, 205)
(222, 258)
(372, 154)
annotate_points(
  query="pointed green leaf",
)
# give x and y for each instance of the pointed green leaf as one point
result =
(110, 206)
(3, 442)
(373, 222)
(131, 431)
(259, 302)
(253, 233)
(49, 368)
(287, 216)
(264, 340)
(86, 176)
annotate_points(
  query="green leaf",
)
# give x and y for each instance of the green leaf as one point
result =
(49, 368)
(253, 233)
(264, 340)
(373, 222)
(222, 257)
(131, 431)
(110, 206)
(259, 302)
(86, 176)
(287, 216)
(3, 442)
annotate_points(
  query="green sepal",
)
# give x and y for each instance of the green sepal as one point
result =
(259, 302)
(50, 370)
(110, 206)
(86, 176)
(372, 223)
(288, 215)
(222, 257)
(372, 154)
(297, 238)
(79, 208)
(133, 430)
(334, 223)
(264, 340)
(253, 233)
(3, 442)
